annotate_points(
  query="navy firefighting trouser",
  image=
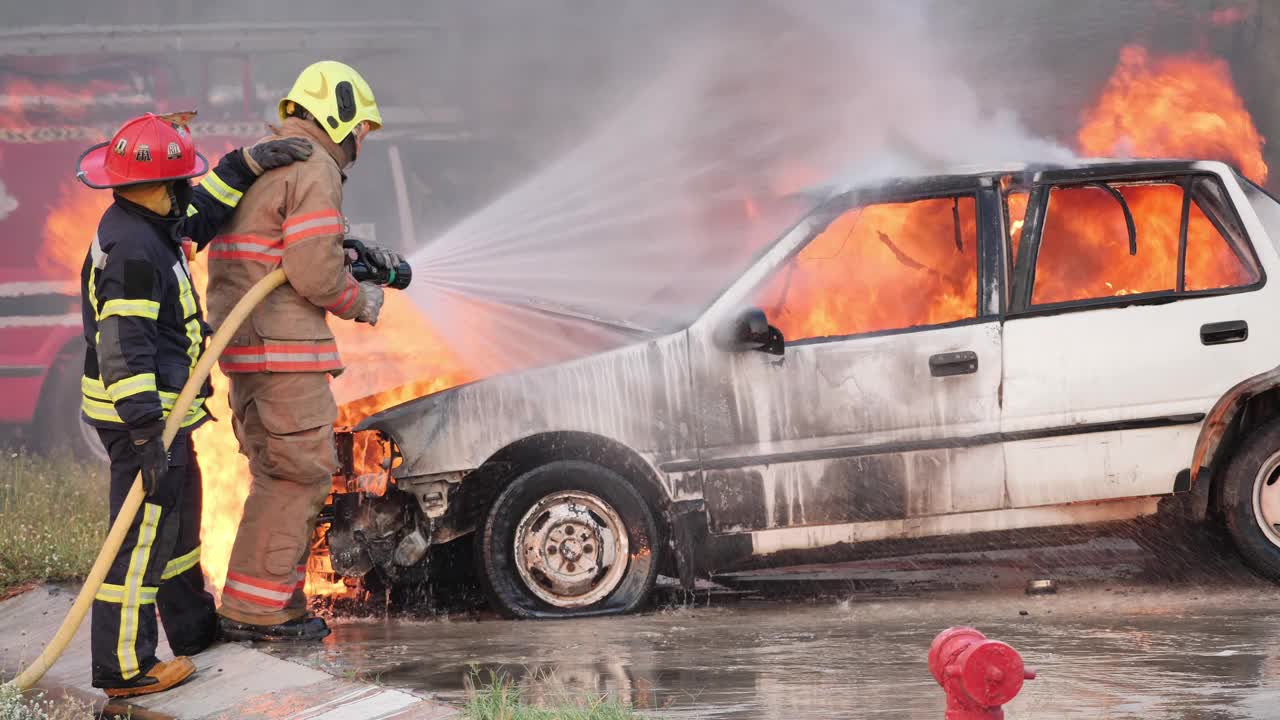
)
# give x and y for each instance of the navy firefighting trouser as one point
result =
(157, 569)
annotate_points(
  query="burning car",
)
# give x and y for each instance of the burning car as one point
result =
(980, 355)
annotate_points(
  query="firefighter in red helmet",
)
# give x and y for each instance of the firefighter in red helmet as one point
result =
(144, 331)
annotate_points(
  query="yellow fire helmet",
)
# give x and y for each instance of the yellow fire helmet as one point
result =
(336, 95)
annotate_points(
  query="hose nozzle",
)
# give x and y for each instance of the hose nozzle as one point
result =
(366, 269)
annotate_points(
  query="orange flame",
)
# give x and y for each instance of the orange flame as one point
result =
(1084, 251)
(1176, 106)
(69, 228)
(897, 265)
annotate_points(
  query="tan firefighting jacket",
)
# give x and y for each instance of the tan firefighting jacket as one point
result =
(290, 218)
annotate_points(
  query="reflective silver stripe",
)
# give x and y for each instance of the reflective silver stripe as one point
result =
(116, 594)
(185, 294)
(312, 224)
(283, 357)
(190, 311)
(249, 247)
(225, 194)
(95, 251)
(130, 386)
(146, 309)
(179, 565)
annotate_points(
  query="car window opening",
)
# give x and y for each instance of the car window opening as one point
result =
(880, 267)
(1190, 241)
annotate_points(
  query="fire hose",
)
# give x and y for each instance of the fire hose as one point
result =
(119, 529)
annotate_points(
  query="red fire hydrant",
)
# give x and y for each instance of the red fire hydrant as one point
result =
(978, 675)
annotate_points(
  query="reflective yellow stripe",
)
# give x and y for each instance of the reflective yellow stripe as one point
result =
(186, 295)
(225, 194)
(126, 647)
(195, 338)
(195, 415)
(179, 565)
(93, 387)
(115, 594)
(99, 410)
(93, 293)
(192, 210)
(149, 309)
(104, 411)
(191, 311)
(130, 386)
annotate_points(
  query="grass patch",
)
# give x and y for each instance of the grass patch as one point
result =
(39, 706)
(499, 698)
(53, 518)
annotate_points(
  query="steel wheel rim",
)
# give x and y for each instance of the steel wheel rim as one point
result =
(1266, 498)
(571, 549)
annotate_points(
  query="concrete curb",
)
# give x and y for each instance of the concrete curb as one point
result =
(233, 680)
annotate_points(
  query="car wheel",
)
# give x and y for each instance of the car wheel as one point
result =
(58, 424)
(568, 539)
(1250, 498)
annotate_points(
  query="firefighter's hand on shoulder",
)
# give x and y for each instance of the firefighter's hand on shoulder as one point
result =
(272, 154)
(148, 442)
(372, 303)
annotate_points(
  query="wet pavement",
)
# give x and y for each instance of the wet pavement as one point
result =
(1112, 643)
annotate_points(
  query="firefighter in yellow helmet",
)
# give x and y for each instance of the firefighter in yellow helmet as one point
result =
(280, 362)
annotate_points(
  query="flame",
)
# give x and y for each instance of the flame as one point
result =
(898, 265)
(1173, 106)
(1085, 253)
(70, 226)
(1016, 202)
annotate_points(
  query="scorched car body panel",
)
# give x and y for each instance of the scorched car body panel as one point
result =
(917, 358)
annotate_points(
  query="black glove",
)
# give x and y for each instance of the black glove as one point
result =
(272, 154)
(148, 442)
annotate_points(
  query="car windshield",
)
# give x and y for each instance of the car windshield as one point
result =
(734, 235)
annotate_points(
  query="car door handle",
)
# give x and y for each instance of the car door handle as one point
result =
(953, 363)
(1221, 333)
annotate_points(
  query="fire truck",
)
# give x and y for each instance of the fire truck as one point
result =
(61, 91)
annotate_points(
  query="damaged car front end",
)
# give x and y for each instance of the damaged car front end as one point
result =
(921, 361)
(377, 522)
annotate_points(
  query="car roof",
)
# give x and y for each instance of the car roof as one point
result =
(1082, 168)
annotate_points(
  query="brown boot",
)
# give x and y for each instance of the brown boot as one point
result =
(161, 677)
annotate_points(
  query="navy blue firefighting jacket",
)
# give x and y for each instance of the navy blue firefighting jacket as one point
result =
(142, 319)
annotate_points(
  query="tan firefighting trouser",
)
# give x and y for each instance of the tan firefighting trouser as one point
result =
(284, 422)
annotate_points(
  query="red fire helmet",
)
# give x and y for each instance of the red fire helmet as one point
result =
(150, 148)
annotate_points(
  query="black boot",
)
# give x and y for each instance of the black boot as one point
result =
(303, 629)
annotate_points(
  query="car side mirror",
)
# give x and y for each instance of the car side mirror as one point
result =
(750, 330)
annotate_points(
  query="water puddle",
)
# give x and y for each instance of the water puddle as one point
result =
(1138, 651)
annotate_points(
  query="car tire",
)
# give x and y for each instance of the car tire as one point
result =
(58, 424)
(587, 544)
(1249, 497)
